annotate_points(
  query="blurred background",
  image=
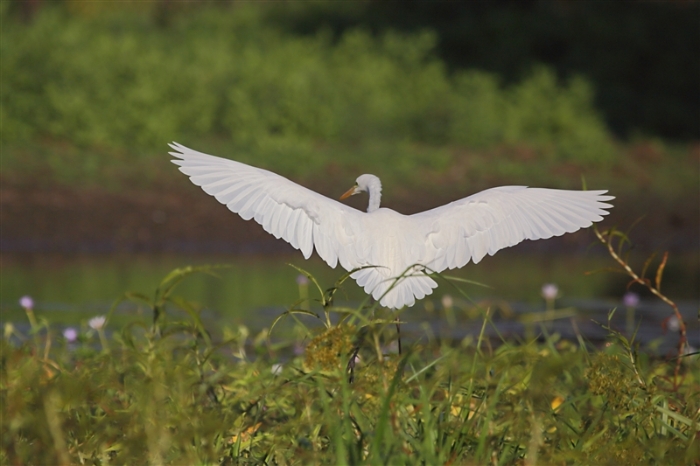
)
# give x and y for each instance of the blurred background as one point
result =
(439, 99)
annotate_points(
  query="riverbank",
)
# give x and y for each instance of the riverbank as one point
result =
(152, 207)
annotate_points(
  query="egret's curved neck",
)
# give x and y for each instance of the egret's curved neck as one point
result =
(375, 194)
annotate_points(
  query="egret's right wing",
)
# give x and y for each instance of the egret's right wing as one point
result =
(302, 217)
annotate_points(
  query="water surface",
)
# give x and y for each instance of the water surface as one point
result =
(254, 290)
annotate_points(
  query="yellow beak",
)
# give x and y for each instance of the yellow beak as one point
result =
(349, 193)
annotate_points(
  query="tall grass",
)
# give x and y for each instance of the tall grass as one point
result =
(167, 391)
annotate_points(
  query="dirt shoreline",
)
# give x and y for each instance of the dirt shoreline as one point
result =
(38, 220)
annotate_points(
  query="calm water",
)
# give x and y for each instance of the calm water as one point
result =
(254, 290)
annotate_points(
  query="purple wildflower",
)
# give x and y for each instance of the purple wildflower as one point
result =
(631, 299)
(70, 334)
(26, 302)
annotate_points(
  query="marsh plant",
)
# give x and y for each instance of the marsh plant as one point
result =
(167, 391)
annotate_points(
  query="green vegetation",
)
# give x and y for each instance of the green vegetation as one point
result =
(91, 95)
(83, 96)
(165, 389)
(636, 55)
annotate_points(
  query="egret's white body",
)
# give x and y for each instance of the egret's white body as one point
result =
(397, 250)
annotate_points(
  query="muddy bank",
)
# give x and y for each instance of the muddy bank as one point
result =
(181, 218)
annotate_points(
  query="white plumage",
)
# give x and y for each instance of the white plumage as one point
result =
(398, 249)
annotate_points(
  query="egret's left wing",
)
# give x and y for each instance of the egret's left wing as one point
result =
(497, 218)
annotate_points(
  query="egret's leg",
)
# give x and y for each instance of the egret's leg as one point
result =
(350, 368)
(398, 332)
(351, 364)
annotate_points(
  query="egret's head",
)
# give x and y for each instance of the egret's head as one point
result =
(364, 183)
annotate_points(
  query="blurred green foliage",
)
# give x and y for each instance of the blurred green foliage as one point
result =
(640, 56)
(120, 81)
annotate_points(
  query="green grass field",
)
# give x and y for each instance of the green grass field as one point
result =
(161, 390)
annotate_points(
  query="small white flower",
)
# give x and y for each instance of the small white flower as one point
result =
(631, 299)
(26, 302)
(70, 334)
(550, 291)
(673, 324)
(392, 347)
(447, 301)
(276, 369)
(96, 323)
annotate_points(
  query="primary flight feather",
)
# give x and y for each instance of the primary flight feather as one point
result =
(397, 251)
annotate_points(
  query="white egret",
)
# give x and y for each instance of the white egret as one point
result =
(397, 250)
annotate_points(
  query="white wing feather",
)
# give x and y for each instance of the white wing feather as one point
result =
(497, 218)
(395, 248)
(286, 210)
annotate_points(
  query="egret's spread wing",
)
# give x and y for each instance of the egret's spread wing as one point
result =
(388, 242)
(302, 217)
(500, 217)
